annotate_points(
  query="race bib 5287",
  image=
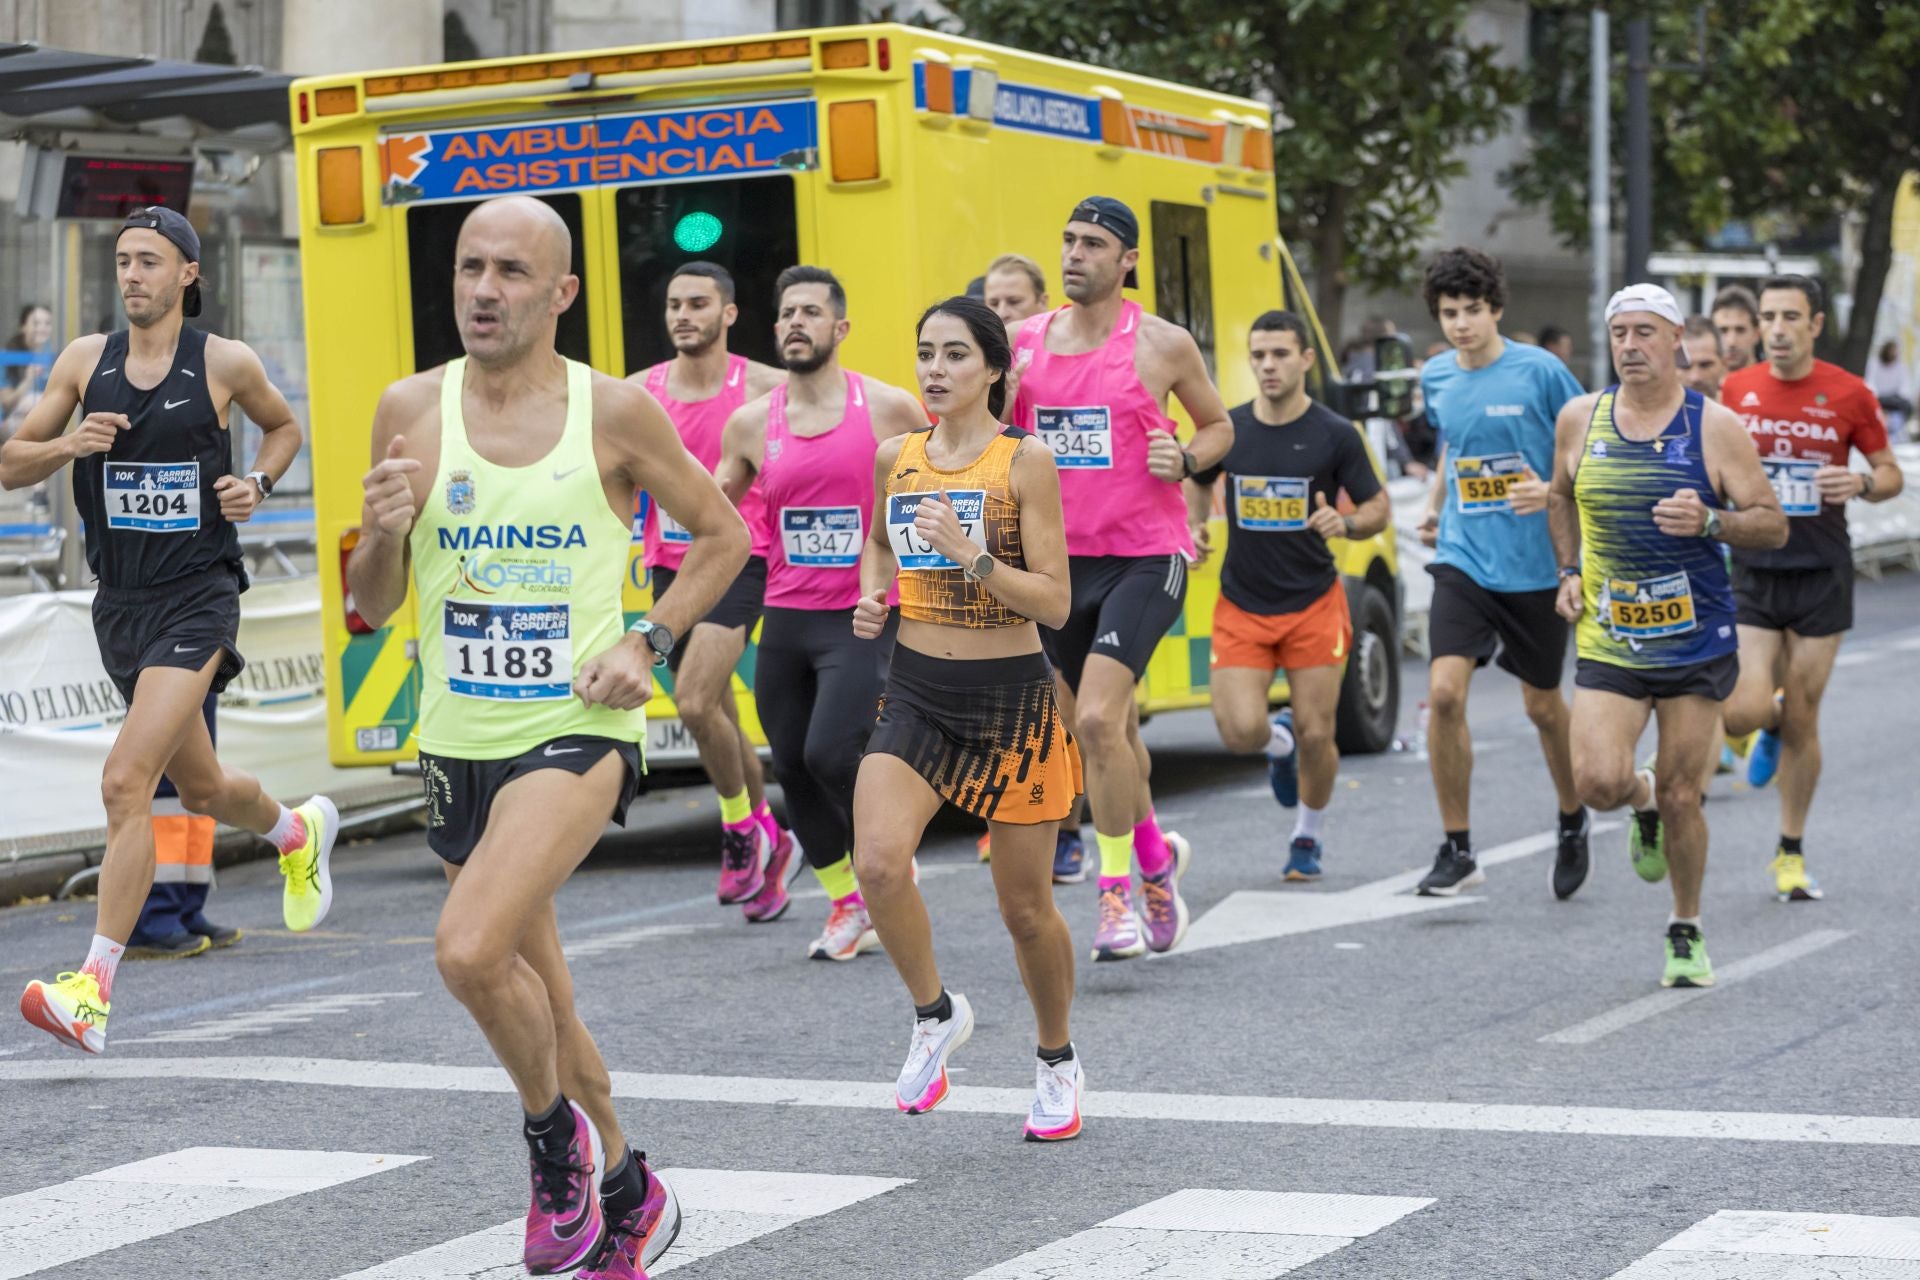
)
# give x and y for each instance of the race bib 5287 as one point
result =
(914, 551)
(153, 497)
(1270, 504)
(1481, 484)
(821, 537)
(508, 652)
(1080, 436)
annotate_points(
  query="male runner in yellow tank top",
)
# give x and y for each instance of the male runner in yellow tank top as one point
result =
(504, 480)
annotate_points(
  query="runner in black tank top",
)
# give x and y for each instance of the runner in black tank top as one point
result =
(154, 484)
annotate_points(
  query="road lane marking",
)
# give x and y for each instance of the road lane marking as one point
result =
(624, 938)
(272, 1018)
(128, 1203)
(1258, 915)
(877, 1095)
(1659, 1002)
(714, 1222)
(1741, 1245)
(1223, 1235)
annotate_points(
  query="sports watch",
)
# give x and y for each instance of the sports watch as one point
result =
(981, 568)
(264, 482)
(658, 638)
(1712, 527)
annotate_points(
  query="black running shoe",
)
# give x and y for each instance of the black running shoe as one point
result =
(1570, 862)
(1452, 872)
(217, 935)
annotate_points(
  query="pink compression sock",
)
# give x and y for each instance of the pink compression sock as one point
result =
(1150, 848)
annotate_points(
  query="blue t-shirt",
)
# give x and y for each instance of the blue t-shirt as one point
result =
(1493, 422)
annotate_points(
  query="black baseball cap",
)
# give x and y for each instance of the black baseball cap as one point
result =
(172, 224)
(1117, 220)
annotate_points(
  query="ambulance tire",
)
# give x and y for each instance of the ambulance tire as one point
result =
(1370, 693)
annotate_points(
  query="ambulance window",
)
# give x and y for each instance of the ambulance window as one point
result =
(1294, 299)
(1182, 271)
(743, 224)
(433, 233)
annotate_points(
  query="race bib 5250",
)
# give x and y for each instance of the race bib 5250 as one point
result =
(821, 537)
(1270, 504)
(1079, 436)
(153, 497)
(508, 652)
(1648, 608)
(1481, 484)
(914, 551)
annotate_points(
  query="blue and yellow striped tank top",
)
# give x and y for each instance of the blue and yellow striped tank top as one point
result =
(1652, 600)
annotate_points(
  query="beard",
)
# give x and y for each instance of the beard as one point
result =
(159, 305)
(697, 343)
(813, 359)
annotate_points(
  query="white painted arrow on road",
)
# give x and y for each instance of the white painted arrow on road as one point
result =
(1257, 915)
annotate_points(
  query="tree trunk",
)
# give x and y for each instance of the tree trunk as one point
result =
(1876, 256)
(1330, 268)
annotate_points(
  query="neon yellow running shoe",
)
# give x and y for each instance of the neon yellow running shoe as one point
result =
(69, 1009)
(1687, 963)
(308, 892)
(1791, 883)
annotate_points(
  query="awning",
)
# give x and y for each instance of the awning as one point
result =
(37, 81)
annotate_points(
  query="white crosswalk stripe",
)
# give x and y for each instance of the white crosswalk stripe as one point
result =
(272, 1018)
(1741, 1245)
(709, 1199)
(148, 1198)
(1221, 1235)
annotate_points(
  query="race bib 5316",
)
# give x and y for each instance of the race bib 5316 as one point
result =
(1270, 504)
(153, 497)
(1481, 484)
(508, 652)
(1792, 481)
(1648, 608)
(914, 551)
(1079, 436)
(823, 537)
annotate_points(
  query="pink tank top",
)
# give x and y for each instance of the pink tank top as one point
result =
(700, 423)
(1093, 413)
(818, 492)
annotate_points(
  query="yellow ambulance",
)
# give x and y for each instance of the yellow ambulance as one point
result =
(902, 158)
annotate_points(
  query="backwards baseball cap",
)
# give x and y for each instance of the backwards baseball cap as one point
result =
(1116, 220)
(1654, 300)
(172, 224)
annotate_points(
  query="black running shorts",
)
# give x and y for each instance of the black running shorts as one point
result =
(460, 792)
(176, 624)
(739, 607)
(1466, 620)
(1122, 607)
(1807, 602)
(1712, 679)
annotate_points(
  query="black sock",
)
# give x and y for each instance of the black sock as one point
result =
(625, 1186)
(1054, 1057)
(940, 1010)
(1461, 844)
(1572, 824)
(555, 1125)
(1790, 844)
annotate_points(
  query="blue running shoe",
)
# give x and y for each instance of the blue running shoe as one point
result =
(1764, 760)
(1283, 773)
(1069, 857)
(1303, 859)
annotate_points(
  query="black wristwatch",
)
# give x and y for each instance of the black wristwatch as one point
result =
(658, 638)
(1187, 469)
(1569, 571)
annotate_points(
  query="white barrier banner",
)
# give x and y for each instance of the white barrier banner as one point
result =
(59, 713)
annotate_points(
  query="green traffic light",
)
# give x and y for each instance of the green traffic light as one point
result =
(697, 232)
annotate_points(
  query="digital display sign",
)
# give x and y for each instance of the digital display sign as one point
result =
(114, 186)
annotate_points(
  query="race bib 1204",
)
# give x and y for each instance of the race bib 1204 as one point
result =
(1481, 484)
(508, 652)
(821, 537)
(153, 497)
(915, 552)
(1079, 437)
(1270, 504)
(1648, 608)
(1792, 481)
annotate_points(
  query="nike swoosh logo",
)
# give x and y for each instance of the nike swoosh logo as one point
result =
(910, 471)
(562, 475)
(104, 372)
(570, 751)
(1340, 647)
(181, 648)
(173, 404)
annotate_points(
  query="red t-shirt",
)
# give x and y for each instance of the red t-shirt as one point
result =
(1799, 427)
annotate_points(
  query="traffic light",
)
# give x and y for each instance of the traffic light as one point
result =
(696, 232)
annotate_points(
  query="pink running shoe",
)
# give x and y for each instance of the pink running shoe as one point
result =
(636, 1241)
(565, 1222)
(1162, 909)
(770, 903)
(743, 862)
(1118, 936)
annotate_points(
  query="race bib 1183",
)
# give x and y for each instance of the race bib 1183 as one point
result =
(508, 652)
(821, 537)
(1079, 436)
(1270, 504)
(153, 497)
(915, 552)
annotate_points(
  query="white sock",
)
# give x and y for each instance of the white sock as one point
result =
(103, 960)
(1310, 823)
(281, 837)
(1653, 796)
(1280, 743)
(1692, 920)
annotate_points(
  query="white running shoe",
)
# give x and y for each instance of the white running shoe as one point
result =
(848, 933)
(923, 1080)
(1055, 1114)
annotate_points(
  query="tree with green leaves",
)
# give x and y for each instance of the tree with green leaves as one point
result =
(1794, 112)
(1382, 96)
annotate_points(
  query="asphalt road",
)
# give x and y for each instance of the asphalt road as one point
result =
(1377, 1086)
